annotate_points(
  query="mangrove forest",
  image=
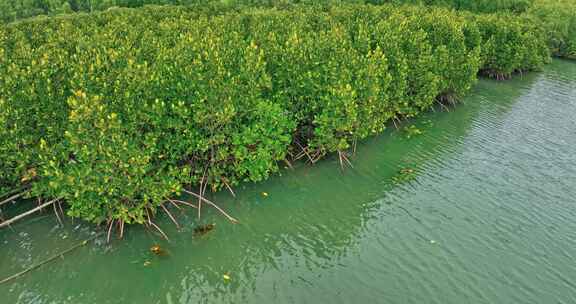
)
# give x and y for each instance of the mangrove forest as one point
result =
(151, 117)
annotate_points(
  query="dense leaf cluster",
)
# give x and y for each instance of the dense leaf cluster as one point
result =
(558, 18)
(11, 10)
(114, 112)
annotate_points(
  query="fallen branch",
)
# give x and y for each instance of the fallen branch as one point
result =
(16, 218)
(52, 258)
(15, 191)
(233, 220)
(13, 197)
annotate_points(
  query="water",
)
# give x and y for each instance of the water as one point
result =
(488, 216)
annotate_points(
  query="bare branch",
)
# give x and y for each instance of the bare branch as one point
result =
(32, 211)
(13, 197)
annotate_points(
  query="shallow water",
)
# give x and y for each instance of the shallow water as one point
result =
(488, 216)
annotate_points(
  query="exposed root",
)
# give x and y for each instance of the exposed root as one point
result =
(299, 155)
(230, 218)
(121, 229)
(109, 231)
(443, 106)
(57, 215)
(289, 164)
(394, 122)
(174, 201)
(229, 189)
(151, 223)
(318, 155)
(159, 230)
(304, 152)
(344, 160)
(60, 207)
(170, 216)
(175, 205)
(201, 192)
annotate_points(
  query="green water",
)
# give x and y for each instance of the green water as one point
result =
(488, 217)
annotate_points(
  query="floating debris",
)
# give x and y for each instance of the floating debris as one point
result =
(404, 175)
(147, 263)
(407, 171)
(264, 194)
(226, 276)
(203, 229)
(157, 250)
(412, 131)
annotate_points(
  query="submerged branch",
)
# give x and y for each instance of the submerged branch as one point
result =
(52, 258)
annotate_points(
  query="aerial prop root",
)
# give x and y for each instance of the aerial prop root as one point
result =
(209, 202)
(344, 160)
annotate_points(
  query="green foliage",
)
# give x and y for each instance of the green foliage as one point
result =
(558, 18)
(511, 44)
(479, 6)
(11, 10)
(116, 111)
